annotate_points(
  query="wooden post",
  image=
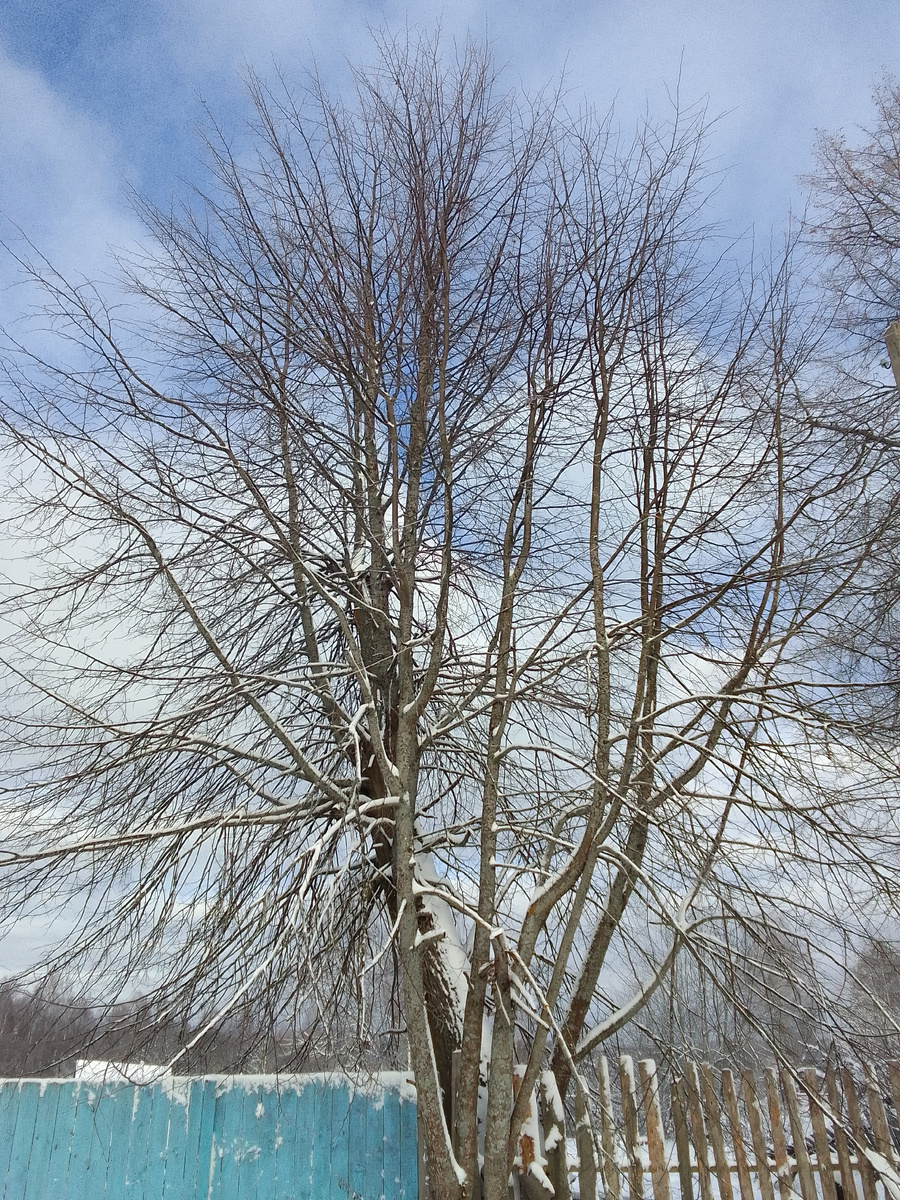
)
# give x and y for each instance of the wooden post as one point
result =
(757, 1136)
(584, 1142)
(630, 1123)
(892, 341)
(820, 1134)
(656, 1138)
(880, 1130)
(714, 1131)
(609, 1166)
(801, 1155)
(729, 1096)
(779, 1143)
(858, 1133)
(683, 1141)
(841, 1144)
(698, 1129)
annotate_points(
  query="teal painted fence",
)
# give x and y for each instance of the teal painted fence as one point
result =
(301, 1137)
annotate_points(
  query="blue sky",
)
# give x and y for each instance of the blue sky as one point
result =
(97, 96)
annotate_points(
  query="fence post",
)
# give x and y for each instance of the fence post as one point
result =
(858, 1131)
(630, 1123)
(656, 1138)
(729, 1095)
(698, 1129)
(841, 1144)
(820, 1134)
(804, 1166)
(757, 1136)
(877, 1115)
(609, 1164)
(779, 1143)
(682, 1140)
(714, 1131)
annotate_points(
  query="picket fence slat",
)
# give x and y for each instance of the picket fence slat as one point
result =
(682, 1140)
(820, 1135)
(698, 1130)
(630, 1126)
(860, 1136)
(656, 1141)
(841, 1144)
(609, 1166)
(757, 1135)
(729, 1096)
(878, 1117)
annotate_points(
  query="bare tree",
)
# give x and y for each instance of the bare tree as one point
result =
(424, 628)
(856, 217)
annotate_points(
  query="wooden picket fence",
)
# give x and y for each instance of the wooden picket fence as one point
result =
(795, 1133)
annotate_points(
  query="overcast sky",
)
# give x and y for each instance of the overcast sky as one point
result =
(100, 95)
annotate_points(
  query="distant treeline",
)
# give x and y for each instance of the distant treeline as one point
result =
(43, 1034)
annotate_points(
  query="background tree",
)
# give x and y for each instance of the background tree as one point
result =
(432, 558)
(856, 217)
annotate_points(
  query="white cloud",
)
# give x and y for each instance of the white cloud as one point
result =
(61, 182)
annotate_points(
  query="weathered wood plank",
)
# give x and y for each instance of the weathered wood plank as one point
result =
(176, 1149)
(714, 1131)
(609, 1162)
(841, 1145)
(880, 1131)
(801, 1155)
(810, 1077)
(630, 1127)
(729, 1096)
(860, 1137)
(409, 1164)
(682, 1139)
(783, 1171)
(27, 1098)
(698, 1129)
(76, 1185)
(392, 1165)
(656, 1142)
(757, 1135)
(36, 1185)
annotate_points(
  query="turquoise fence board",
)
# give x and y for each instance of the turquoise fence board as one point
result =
(120, 1142)
(409, 1154)
(36, 1183)
(58, 1167)
(298, 1137)
(322, 1109)
(374, 1181)
(176, 1148)
(8, 1111)
(391, 1144)
(291, 1147)
(23, 1139)
(339, 1153)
